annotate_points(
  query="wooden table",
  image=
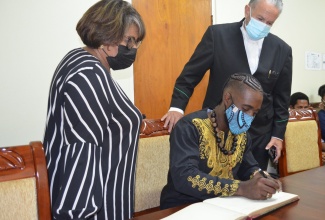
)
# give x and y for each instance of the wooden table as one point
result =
(309, 185)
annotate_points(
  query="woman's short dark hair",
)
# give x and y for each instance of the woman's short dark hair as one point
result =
(106, 22)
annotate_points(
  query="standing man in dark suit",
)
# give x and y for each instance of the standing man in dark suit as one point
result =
(245, 46)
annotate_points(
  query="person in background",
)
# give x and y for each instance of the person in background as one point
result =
(321, 117)
(92, 127)
(244, 46)
(299, 100)
(210, 150)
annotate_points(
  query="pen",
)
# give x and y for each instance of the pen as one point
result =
(265, 176)
(262, 173)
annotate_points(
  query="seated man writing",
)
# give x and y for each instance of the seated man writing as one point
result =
(210, 151)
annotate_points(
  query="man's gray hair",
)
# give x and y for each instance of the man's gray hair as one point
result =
(277, 3)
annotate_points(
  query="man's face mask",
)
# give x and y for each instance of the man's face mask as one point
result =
(256, 29)
(238, 121)
(124, 58)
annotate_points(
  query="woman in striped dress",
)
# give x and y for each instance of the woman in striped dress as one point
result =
(92, 127)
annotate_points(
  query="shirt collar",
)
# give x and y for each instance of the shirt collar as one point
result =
(247, 39)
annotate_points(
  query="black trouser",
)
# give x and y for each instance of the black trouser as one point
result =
(258, 149)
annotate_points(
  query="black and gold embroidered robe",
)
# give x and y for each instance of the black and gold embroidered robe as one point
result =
(198, 169)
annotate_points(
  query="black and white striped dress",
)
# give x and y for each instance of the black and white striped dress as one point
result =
(90, 141)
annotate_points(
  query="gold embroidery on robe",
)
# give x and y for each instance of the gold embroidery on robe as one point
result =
(227, 190)
(221, 165)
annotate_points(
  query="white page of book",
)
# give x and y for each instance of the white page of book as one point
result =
(205, 211)
(248, 206)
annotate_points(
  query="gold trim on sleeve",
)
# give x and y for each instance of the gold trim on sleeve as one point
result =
(227, 190)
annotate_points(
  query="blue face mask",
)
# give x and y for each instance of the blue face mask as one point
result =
(256, 29)
(238, 121)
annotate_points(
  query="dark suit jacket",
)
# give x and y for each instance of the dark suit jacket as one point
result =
(222, 51)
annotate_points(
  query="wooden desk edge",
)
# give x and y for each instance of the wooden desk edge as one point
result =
(164, 213)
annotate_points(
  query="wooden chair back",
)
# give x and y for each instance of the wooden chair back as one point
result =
(24, 189)
(152, 166)
(302, 147)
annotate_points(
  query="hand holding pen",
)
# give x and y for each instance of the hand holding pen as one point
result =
(266, 175)
(261, 186)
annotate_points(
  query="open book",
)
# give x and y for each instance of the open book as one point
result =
(233, 208)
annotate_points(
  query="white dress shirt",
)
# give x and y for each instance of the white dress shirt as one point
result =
(253, 49)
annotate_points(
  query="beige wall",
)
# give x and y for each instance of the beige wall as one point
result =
(36, 34)
(301, 25)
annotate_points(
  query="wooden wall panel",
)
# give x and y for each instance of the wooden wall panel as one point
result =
(174, 28)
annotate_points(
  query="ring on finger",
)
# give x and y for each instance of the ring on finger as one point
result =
(268, 195)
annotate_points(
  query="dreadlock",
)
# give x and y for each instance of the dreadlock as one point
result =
(241, 79)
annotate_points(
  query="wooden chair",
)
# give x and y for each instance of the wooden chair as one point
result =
(24, 189)
(152, 166)
(315, 105)
(302, 147)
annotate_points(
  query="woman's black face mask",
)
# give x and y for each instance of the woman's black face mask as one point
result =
(124, 58)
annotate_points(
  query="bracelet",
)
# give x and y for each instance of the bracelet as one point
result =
(257, 171)
(254, 173)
